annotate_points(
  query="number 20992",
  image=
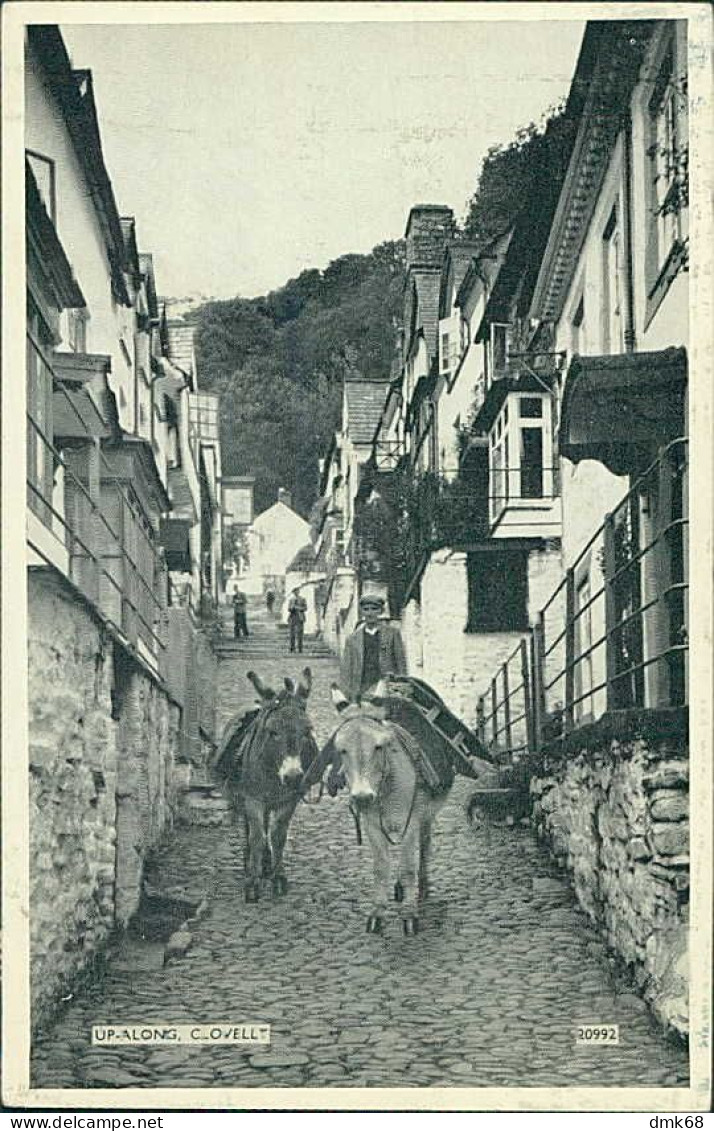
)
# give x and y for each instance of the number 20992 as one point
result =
(597, 1035)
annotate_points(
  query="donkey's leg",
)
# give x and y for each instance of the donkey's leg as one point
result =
(409, 874)
(380, 852)
(424, 858)
(279, 821)
(255, 816)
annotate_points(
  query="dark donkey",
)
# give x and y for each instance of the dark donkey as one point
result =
(265, 776)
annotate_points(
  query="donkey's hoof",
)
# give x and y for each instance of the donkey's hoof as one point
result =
(252, 892)
(375, 925)
(411, 925)
(398, 892)
(280, 885)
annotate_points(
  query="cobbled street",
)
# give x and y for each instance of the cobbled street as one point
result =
(488, 994)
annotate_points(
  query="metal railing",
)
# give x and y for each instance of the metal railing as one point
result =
(96, 534)
(614, 634)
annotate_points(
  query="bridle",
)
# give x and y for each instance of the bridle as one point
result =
(402, 738)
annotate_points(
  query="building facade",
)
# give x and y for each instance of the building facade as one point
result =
(115, 718)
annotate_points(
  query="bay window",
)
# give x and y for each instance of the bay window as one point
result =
(519, 445)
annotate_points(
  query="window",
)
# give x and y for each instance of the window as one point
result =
(77, 330)
(612, 269)
(497, 591)
(500, 336)
(445, 353)
(40, 460)
(576, 333)
(519, 446)
(43, 170)
(465, 335)
(667, 153)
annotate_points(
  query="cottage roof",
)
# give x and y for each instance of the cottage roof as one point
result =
(607, 71)
(364, 402)
(304, 561)
(181, 353)
(458, 257)
(75, 96)
(427, 287)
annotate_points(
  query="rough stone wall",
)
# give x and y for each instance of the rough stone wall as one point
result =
(192, 680)
(72, 778)
(617, 817)
(103, 738)
(148, 742)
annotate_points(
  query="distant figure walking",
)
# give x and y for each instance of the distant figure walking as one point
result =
(270, 601)
(240, 624)
(297, 611)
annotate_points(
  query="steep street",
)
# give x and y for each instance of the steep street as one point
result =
(489, 993)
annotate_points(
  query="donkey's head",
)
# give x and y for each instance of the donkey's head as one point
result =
(360, 747)
(287, 741)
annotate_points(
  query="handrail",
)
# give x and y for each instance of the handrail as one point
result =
(602, 648)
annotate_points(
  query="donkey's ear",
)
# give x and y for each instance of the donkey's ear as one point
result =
(339, 698)
(289, 685)
(305, 684)
(263, 691)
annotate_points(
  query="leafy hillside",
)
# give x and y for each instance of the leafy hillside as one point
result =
(279, 361)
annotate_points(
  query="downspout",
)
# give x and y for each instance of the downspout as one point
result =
(629, 329)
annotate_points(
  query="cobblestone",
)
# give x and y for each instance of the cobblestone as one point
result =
(488, 994)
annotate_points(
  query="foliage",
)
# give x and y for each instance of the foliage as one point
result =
(510, 173)
(279, 362)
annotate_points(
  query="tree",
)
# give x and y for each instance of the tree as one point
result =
(279, 363)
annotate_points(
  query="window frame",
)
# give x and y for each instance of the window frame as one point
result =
(32, 155)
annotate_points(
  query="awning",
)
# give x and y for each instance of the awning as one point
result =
(76, 417)
(176, 542)
(617, 409)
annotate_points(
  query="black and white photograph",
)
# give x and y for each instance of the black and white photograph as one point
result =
(357, 533)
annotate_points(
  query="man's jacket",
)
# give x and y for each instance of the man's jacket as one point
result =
(392, 659)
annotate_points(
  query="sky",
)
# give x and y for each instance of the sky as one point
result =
(248, 152)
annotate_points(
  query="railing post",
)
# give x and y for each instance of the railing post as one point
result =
(94, 532)
(569, 713)
(527, 705)
(507, 709)
(539, 675)
(494, 709)
(610, 612)
(480, 724)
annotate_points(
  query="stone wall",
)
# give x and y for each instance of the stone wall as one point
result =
(192, 681)
(615, 813)
(148, 745)
(103, 739)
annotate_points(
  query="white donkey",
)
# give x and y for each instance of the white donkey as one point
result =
(394, 805)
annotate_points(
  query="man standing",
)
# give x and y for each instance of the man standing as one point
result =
(240, 624)
(374, 650)
(297, 611)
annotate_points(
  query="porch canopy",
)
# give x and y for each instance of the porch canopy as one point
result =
(618, 409)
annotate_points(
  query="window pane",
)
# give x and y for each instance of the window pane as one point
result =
(531, 407)
(531, 463)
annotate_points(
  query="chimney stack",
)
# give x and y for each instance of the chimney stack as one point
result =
(285, 497)
(429, 228)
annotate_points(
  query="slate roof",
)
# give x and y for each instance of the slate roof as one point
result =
(428, 285)
(181, 346)
(457, 260)
(365, 401)
(304, 560)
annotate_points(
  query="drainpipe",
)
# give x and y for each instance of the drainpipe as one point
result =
(629, 334)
